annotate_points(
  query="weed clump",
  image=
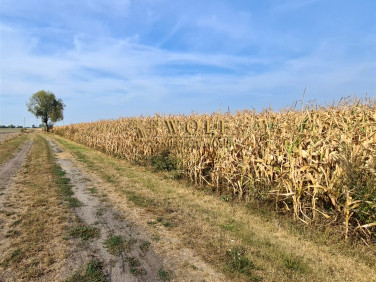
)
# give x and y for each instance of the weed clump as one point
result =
(238, 262)
(84, 232)
(164, 160)
(114, 244)
(164, 275)
(92, 273)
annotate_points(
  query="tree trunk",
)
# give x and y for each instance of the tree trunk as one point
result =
(45, 120)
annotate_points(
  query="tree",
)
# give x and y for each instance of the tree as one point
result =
(43, 104)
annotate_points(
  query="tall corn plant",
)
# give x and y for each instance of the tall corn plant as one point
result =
(317, 163)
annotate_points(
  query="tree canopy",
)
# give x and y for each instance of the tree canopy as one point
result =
(44, 105)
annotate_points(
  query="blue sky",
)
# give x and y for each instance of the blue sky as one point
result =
(113, 58)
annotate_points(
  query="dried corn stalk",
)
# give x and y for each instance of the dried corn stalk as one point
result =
(296, 158)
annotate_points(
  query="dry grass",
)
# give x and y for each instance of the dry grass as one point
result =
(229, 236)
(317, 163)
(38, 249)
(10, 147)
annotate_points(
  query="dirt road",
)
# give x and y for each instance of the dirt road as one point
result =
(139, 261)
(142, 262)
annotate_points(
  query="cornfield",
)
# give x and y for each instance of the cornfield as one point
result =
(317, 162)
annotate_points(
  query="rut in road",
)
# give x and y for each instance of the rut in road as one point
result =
(139, 259)
(10, 168)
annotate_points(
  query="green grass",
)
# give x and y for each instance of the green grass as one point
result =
(137, 271)
(84, 232)
(115, 245)
(167, 224)
(15, 253)
(139, 200)
(74, 202)
(164, 275)
(231, 225)
(15, 257)
(164, 160)
(93, 190)
(93, 272)
(135, 266)
(238, 262)
(295, 264)
(65, 188)
(164, 222)
(60, 172)
(63, 182)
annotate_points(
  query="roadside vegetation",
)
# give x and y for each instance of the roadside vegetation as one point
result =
(243, 242)
(93, 272)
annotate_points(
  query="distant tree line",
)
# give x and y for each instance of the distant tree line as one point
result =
(20, 126)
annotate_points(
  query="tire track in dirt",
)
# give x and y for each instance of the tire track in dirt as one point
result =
(10, 168)
(97, 212)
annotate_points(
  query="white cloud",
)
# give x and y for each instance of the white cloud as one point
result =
(132, 69)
